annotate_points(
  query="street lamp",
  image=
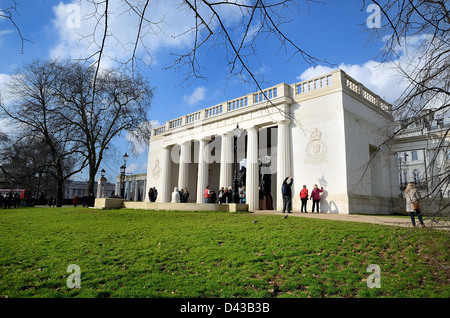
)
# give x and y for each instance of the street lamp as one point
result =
(101, 184)
(237, 133)
(122, 181)
(122, 175)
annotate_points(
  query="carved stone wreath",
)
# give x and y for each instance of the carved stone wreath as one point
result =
(316, 149)
(156, 171)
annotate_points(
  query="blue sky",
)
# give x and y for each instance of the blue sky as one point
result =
(335, 31)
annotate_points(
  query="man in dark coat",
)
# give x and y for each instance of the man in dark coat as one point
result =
(287, 194)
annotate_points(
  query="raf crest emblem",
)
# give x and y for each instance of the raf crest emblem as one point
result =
(316, 149)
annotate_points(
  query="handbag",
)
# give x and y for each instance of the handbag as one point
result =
(415, 205)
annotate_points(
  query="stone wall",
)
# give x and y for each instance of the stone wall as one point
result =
(112, 203)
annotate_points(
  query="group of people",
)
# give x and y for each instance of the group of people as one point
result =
(315, 197)
(223, 196)
(86, 200)
(152, 194)
(180, 196)
(9, 200)
(304, 196)
(412, 196)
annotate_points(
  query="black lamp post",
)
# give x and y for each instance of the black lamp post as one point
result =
(122, 181)
(122, 175)
(237, 133)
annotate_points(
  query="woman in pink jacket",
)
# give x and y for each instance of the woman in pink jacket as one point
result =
(315, 196)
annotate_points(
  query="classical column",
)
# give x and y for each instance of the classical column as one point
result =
(202, 178)
(226, 160)
(185, 159)
(117, 190)
(136, 189)
(165, 193)
(283, 158)
(144, 188)
(252, 178)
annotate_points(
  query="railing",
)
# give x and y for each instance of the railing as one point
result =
(237, 104)
(335, 79)
(265, 95)
(313, 84)
(210, 112)
(213, 111)
(367, 94)
(159, 130)
(175, 123)
(191, 118)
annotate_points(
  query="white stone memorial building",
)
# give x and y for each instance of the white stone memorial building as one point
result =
(326, 131)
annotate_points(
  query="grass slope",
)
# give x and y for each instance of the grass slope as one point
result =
(133, 253)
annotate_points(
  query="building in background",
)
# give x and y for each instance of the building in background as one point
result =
(73, 188)
(423, 153)
(132, 186)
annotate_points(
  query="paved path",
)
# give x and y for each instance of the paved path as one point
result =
(375, 219)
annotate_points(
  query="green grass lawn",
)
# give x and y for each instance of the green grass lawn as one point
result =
(134, 253)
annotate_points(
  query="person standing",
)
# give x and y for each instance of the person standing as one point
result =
(221, 195)
(304, 198)
(182, 195)
(242, 194)
(315, 196)
(185, 195)
(207, 195)
(287, 194)
(76, 200)
(151, 195)
(412, 203)
(175, 195)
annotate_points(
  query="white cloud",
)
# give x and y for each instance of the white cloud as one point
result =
(384, 79)
(4, 79)
(79, 40)
(141, 146)
(168, 24)
(197, 96)
(133, 168)
(5, 32)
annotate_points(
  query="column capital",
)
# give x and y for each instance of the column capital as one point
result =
(284, 121)
(256, 128)
(208, 138)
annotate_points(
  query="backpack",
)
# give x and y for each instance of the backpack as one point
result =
(284, 189)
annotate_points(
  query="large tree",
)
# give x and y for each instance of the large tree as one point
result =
(101, 107)
(76, 112)
(34, 110)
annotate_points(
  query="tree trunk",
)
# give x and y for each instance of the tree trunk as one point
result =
(59, 192)
(91, 182)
